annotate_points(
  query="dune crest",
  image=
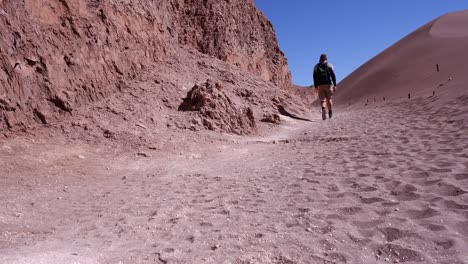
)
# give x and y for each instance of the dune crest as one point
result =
(452, 25)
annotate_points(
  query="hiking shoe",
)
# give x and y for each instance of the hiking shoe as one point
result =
(324, 114)
(330, 114)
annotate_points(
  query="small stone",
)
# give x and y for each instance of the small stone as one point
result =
(143, 154)
(141, 125)
(215, 247)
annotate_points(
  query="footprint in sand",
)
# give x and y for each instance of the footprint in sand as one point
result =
(368, 224)
(445, 244)
(391, 234)
(395, 254)
(462, 228)
(405, 192)
(461, 176)
(372, 200)
(422, 214)
(446, 189)
(434, 227)
(367, 189)
(339, 257)
(350, 210)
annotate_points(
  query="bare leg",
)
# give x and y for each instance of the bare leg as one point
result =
(324, 113)
(322, 103)
(329, 104)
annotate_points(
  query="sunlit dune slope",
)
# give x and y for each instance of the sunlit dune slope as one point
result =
(432, 58)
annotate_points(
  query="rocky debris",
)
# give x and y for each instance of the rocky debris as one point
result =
(108, 134)
(395, 253)
(217, 111)
(271, 118)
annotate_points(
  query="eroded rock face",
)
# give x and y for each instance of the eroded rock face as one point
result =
(59, 55)
(236, 32)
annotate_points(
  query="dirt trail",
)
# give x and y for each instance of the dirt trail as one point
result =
(387, 183)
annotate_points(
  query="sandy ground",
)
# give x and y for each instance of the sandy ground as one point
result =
(384, 183)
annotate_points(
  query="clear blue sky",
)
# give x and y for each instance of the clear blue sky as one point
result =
(350, 31)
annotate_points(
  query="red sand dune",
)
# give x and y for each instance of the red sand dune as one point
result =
(410, 65)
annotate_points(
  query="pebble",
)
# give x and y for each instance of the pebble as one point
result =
(143, 154)
(215, 247)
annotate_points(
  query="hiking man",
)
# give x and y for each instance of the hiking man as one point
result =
(324, 78)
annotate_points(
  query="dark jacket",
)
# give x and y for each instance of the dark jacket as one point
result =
(331, 79)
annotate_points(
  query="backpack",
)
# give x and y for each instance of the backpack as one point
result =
(322, 74)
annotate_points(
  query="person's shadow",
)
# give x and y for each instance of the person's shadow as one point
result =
(284, 112)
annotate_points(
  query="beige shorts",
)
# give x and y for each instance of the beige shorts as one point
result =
(325, 91)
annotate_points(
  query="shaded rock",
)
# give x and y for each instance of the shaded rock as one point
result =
(5, 105)
(144, 154)
(108, 134)
(271, 118)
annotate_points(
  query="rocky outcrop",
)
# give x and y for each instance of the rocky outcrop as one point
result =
(59, 55)
(216, 111)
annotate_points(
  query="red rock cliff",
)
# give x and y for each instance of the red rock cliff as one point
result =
(58, 55)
